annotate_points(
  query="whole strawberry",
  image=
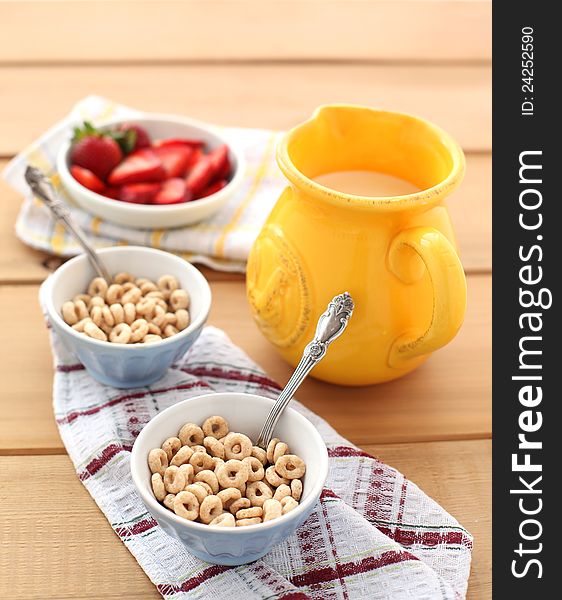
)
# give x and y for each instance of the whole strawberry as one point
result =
(94, 150)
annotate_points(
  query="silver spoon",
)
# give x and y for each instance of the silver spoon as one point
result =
(43, 189)
(330, 326)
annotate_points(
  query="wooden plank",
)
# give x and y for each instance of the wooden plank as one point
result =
(447, 398)
(268, 96)
(470, 208)
(42, 559)
(244, 30)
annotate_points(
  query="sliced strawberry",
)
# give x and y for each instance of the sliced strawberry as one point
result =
(141, 166)
(192, 143)
(200, 176)
(196, 156)
(140, 139)
(112, 192)
(87, 179)
(173, 191)
(220, 162)
(176, 159)
(139, 193)
(213, 188)
(94, 150)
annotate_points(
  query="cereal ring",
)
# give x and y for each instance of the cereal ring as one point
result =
(130, 312)
(288, 503)
(182, 319)
(234, 473)
(69, 313)
(201, 461)
(249, 513)
(123, 277)
(260, 454)
(158, 486)
(238, 504)
(191, 435)
(147, 286)
(107, 316)
(188, 473)
(246, 522)
(161, 304)
(120, 334)
(272, 509)
(129, 285)
(145, 307)
(255, 469)
(117, 313)
(215, 426)
(96, 301)
(182, 456)
(217, 462)
(271, 448)
(296, 489)
(214, 447)
(228, 496)
(157, 461)
(105, 328)
(93, 331)
(199, 448)
(198, 491)
(210, 509)
(208, 477)
(171, 447)
(237, 446)
(186, 505)
(224, 520)
(205, 486)
(178, 299)
(174, 480)
(157, 294)
(114, 293)
(133, 295)
(169, 331)
(81, 309)
(139, 329)
(280, 449)
(159, 317)
(258, 492)
(96, 315)
(290, 466)
(140, 280)
(168, 501)
(242, 488)
(274, 478)
(170, 318)
(86, 298)
(154, 330)
(282, 491)
(150, 338)
(80, 325)
(98, 287)
(168, 283)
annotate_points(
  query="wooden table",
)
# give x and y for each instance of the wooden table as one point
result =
(250, 63)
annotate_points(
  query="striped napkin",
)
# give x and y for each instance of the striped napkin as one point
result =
(373, 534)
(222, 242)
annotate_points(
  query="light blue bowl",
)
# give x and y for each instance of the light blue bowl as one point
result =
(131, 365)
(245, 413)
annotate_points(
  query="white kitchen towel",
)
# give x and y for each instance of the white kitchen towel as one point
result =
(373, 535)
(221, 242)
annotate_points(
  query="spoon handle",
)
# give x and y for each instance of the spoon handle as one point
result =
(42, 188)
(330, 326)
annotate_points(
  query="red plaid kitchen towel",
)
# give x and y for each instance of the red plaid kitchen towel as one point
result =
(373, 535)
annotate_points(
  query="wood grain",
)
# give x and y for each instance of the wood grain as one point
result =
(470, 209)
(447, 398)
(42, 557)
(242, 30)
(266, 96)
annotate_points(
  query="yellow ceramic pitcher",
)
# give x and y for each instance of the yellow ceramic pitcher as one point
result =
(396, 256)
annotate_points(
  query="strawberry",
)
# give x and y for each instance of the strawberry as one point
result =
(220, 162)
(213, 188)
(200, 176)
(192, 143)
(129, 142)
(139, 193)
(196, 156)
(175, 158)
(173, 191)
(112, 192)
(94, 150)
(141, 166)
(87, 179)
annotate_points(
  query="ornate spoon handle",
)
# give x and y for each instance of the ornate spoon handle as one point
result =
(330, 326)
(42, 188)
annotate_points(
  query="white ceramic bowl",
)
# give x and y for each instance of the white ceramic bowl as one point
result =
(146, 216)
(245, 413)
(120, 365)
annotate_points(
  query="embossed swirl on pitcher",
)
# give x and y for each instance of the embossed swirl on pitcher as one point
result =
(273, 294)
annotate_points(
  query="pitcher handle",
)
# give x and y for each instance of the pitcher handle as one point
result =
(449, 289)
